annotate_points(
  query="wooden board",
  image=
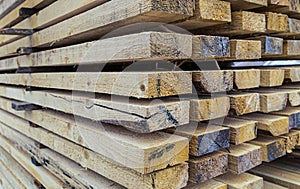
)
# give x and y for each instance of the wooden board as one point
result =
(293, 29)
(293, 113)
(244, 157)
(210, 184)
(291, 48)
(271, 101)
(269, 185)
(204, 138)
(246, 79)
(114, 111)
(99, 164)
(210, 47)
(271, 77)
(237, 5)
(276, 22)
(244, 49)
(207, 167)
(132, 84)
(11, 176)
(244, 103)
(207, 13)
(240, 130)
(206, 108)
(153, 152)
(291, 140)
(270, 46)
(292, 74)
(290, 7)
(7, 6)
(276, 125)
(272, 147)
(96, 26)
(213, 81)
(242, 181)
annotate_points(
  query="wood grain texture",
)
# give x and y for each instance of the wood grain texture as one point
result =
(269, 185)
(244, 103)
(271, 77)
(114, 111)
(246, 79)
(244, 49)
(271, 101)
(276, 125)
(206, 108)
(244, 157)
(293, 113)
(207, 167)
(213, 81)
(292, 73)
(291, 140)
(242, 181)
(270, 46)
(276, 22)
(7, 6)
(132, 84)
(272, 147)
(207, 13)
(240, 130)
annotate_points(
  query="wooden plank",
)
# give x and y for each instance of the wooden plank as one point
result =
(219, 13)
(99, 21)
(270, 46)
(204, 138)
(244, 49)
(5, 182)
(291, 140)
(88, 159)
(237, 5)
(293, 113)
(292, 74)
(210, 184)
(132, 84)
(240, 130)
(246, 79)
(11, 177)
(272, 147)
(207, 108)
(154, 152)
(276, 125)
(213, 81)
(210, 47)
(7, 6)
(290, 48)
(271, 101)
(293, 29)
(143, 46)
(244, 103)
(269, 185)
(271, 77)
(22, 174)
(242, 181)
(137, 115)
(276, 22)
(244, 157)
(206, 167)
(290, 7)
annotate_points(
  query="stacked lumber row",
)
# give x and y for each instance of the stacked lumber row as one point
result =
(66, 125)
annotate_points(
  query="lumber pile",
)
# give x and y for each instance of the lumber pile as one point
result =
(149, 94)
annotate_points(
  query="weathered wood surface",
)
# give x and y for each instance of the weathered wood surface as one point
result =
(210, 47)
(293, 113)
(131, 84)
(213, 81)
(207, 108)
(291, 140)
(242, 181)
(99, 164)
(240, 130)
(246, 79)
(244, 49)
(204, 138)
(276, 125)
(243, 157)
(276, 22)
(293, 29)
(271, 77)
(210, 184)
(244, 103)
(289, 7)
(292, 74)
(237, 5)
(137, 115)
(207, 167)
(272, 147)
(207, 13)
(71, 31)
(7, 6)
(16, 182)
(153, 152)
(270, 46)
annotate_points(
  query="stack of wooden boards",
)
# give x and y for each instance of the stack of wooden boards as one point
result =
(106, 94)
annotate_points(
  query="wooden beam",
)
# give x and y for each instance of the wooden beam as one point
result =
(276, 22)
(16, 182)
(269, 185)
(240, 130)
(207, 167)
(101, 164)
(210, 184)
(293, 29)
(7, 6)
(247, 4)
(133, 114)
(244, 180)
(293, 113)
(246, 79)
(276, 125)
(244, 49)
(244, 157)
(292, 74)
(207, 13)
(271, 101)
(207, 108)
(171, 150)
(270, 46)
(271, 77)
(132, 84)
(244, 103)
(272, 147)
(204, 138)
(213, 81)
